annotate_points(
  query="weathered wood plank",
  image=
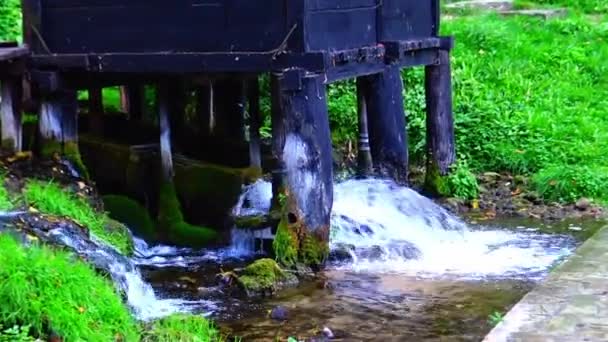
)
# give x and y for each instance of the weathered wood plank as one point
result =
(10, 113)
(441, 150)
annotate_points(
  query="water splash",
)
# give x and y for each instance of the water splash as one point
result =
(383, 227)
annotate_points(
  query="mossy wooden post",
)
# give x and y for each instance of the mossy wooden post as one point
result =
(364, 156)
(253, 94)
(229, 99)
(303, 232)
(441, 151)
(174, 228)
(386, 120)
(96, 110)
(58, 127)
(204, 108)
(10, 113)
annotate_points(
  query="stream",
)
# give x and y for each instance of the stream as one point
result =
(402, 269)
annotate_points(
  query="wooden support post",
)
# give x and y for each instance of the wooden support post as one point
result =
(277, 121)
(176, 97)
(96, 110)
(10, 113)
(386, 118)
(204, 108)
(136, 101)
(174, 228)
(255, 153)
(441, 150)
(166, 157)
(364, 156)
(306, 153)
(124, 99)
(229, 100)
(58, 128)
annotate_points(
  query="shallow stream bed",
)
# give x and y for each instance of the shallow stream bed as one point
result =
(461, 274)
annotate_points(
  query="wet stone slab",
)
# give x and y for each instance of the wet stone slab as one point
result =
(571, 305)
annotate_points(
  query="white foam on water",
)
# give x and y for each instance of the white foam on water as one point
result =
(380, 213)
(413, 235)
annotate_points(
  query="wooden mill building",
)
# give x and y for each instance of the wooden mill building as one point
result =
(218, 50)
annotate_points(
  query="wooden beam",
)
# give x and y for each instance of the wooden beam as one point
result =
(386, 119)
(441, 148)
(10, 113)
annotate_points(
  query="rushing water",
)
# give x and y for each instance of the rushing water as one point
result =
(404, 269)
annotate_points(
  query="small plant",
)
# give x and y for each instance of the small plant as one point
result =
(5, 200)
(495, 317)
(50, 198)
(462, 183)
(15, 334)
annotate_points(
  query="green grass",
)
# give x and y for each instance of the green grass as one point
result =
(5, 200)
(182, 327)
(53, 291)
(10, 20)
(49, 198)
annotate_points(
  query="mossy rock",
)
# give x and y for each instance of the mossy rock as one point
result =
(178, 231)
(132, 214)
(264, 277)
(113, 227)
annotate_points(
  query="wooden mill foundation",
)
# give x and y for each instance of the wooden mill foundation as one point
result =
(216, 51)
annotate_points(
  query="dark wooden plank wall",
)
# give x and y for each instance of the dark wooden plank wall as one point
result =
(340, 24)
(406, 19)
(103, 26)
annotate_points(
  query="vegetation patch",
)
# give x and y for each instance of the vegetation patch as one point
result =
(53, 292)
(5, 199)
(264, 275)
(182, 327)
(285, 245)
(50, 198)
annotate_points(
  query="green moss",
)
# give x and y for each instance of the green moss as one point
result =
(314, 251)
(171, 219)
(8, 144)
(436, 183)
(285, 245)
(52, 291)
(216, 188)
(72, 153)
(261, 275)
(182, 327)
(131, 213)
(51, 199)
(50, 147)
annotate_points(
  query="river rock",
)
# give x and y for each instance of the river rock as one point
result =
(263, 278)
(482, 4)
(279, 313)
(583, 204)
(341, 253)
